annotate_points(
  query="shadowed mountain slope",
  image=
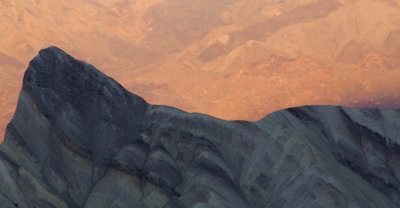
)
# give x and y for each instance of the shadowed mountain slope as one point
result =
(78, 139)
(233, 59)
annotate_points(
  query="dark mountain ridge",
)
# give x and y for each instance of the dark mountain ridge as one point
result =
(79, 139)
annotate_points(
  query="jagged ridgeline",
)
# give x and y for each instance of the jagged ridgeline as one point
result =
(79, 139)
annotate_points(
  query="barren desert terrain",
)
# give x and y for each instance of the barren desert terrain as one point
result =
(233, 59)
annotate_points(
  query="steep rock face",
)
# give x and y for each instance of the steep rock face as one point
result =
(78, 139)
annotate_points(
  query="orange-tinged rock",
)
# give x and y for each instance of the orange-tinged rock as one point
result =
(233, 59)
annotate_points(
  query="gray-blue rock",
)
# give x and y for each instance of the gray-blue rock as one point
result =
(78, 139)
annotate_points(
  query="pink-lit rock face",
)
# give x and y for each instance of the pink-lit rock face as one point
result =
(234, 59)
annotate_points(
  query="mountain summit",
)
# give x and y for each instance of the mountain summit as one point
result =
(79, 139)
(232, 59)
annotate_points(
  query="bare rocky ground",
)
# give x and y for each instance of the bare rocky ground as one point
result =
(79, 139)
(232, 59)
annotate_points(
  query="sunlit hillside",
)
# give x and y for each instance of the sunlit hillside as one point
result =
(234, 59)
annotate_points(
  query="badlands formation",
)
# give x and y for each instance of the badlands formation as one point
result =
(233, 59)
(78, 139)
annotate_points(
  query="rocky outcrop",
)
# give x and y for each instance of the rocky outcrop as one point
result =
(78, 139)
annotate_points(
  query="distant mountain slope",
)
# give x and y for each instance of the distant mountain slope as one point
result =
(79, 139)
(234, 59)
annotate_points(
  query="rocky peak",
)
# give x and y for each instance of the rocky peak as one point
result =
(78, 139)
(81, 95)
